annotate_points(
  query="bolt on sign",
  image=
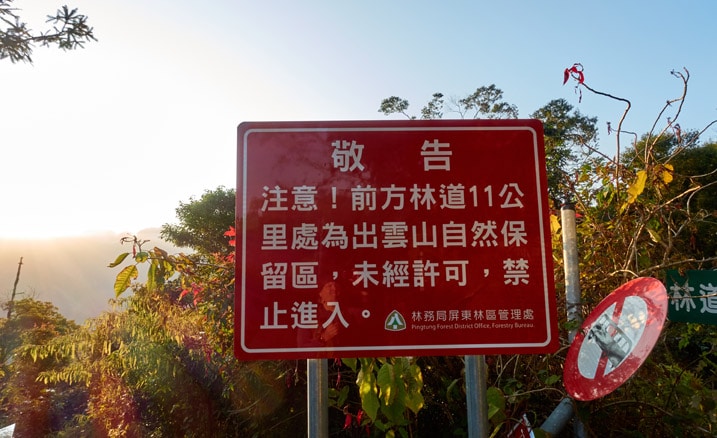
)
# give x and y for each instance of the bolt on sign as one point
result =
(392, 238)
(693, 296)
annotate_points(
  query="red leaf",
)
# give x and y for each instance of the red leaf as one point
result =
(347, 421)
(576, 71)
(231, 233)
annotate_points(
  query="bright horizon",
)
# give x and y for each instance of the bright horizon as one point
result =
(112, 137)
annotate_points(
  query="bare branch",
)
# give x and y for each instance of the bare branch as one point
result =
(619, 126)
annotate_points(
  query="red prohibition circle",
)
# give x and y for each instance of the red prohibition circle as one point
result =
(615, 339)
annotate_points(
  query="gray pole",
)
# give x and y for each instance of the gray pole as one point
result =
(476, 396)
(317, 398)
(573, 305)
(562, 414)
(559, 418)
(571, 266)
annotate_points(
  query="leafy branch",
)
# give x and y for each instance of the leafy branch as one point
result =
(161, 265)
(70, 30)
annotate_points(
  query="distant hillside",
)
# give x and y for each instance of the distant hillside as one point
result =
(70, 272)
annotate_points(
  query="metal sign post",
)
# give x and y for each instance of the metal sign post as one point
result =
(317, 398)
(562, 414)
(571, 268)
(476, 396)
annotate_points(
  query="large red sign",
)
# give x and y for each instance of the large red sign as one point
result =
(392, 238)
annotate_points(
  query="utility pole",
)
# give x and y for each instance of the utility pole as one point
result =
(14, 290)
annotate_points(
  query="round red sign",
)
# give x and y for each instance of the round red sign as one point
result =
(615, 339)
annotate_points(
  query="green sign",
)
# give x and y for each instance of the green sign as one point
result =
(693, 296)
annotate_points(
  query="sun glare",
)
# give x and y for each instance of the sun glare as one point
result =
(36, 230)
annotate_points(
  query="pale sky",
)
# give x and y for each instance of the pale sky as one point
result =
(114, 136)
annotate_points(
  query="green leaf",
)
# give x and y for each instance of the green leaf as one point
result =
(350, 362)
(414, 399)
(168, 268)
(392, 393)
(654, 235)
(152, 277)
(141, 256)
(124, 279)
(120, 258)
(496, 404)
(451, 389)
(552, 379)
(395, 412)
(342, 396)
(368, 392)
(386, 380)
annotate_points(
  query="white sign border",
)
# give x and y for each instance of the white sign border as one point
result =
(544, 255)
